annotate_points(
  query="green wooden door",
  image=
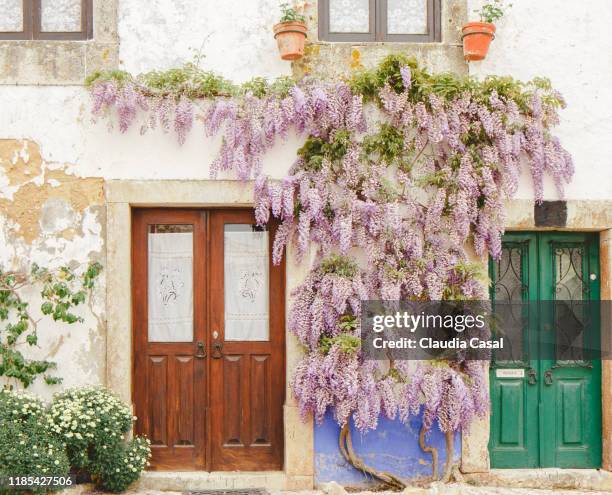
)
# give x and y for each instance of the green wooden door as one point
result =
(546, 412)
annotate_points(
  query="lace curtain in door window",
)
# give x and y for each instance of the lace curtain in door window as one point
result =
(170, 287)
(246, 283)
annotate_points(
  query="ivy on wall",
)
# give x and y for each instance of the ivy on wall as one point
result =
(403, 166)
(61, 291)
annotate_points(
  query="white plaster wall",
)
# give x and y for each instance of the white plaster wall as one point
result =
(570, 43)
(59, 119)
(234, 35)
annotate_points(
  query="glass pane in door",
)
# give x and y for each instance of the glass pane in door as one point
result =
(572, 315)
(246, 267)
(509, 291)
(568, 273)
(170, 283)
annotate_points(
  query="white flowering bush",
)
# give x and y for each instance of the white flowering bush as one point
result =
(93, 422)
(86, 416)
(28, 444)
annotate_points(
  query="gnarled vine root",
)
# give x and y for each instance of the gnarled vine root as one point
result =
(451, 469)
(430, 450)
(346, 447)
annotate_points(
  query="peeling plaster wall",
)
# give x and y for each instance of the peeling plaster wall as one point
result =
(570, 43)
(52, 218)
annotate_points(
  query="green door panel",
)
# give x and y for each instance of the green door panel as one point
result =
(571, 393)
(554, 418)
(511, 399)
(514, 401)
(513, 422)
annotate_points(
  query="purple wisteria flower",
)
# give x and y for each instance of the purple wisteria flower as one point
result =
(387, 214)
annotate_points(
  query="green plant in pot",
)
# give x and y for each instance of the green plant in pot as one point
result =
(477, 36)
(290, 33)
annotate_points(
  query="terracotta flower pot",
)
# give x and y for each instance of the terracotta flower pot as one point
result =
(477, 37)
(290, 37)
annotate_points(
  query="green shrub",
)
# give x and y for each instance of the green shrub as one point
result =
(118, 465)
(93, 422)
(29, 445)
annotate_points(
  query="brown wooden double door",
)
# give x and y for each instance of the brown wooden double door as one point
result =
(208, 334)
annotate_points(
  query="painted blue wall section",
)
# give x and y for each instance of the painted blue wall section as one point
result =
(392, 447)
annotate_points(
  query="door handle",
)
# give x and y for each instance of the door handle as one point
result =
(201, 350)
(532, 377)
(548, 378)
(217, 347)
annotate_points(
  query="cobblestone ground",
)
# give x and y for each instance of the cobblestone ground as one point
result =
(452, 489)
(335, 489)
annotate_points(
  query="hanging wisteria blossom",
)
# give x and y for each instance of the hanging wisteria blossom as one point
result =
(400, 170)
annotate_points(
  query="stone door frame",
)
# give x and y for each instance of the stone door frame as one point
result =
(121, 196)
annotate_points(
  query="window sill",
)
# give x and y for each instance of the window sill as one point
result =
(340, 59)
(379, 43)
(54, 62)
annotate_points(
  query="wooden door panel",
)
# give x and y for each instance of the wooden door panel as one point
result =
(169, 376)
(247, 376)
(511, 409)
(514, 401)
(260, 399)
(233, 387)
(570, 388)
(572, 397)
(513, 421)
(157, 381)
(185, 427)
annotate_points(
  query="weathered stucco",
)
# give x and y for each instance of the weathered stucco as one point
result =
(43, 201)
(235, 38)
(324, 59)
(53, 218)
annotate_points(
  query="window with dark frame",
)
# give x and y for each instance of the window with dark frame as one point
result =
(416, 21)
(46, 19)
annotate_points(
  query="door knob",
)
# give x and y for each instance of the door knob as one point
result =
(217, 347)
(532, 378)
(201, 350)
(548, 378)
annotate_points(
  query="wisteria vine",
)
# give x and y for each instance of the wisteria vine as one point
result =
(400, 171)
